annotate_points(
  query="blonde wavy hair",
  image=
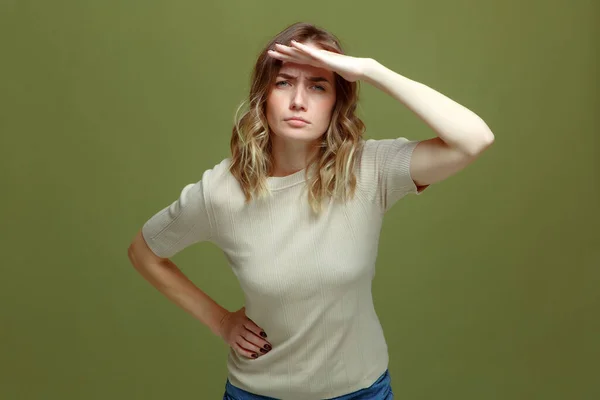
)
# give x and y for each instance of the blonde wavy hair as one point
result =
(339, 147)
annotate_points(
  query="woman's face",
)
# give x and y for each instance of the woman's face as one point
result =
(305, 92)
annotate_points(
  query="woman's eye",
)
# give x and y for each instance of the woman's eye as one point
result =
(281, 83)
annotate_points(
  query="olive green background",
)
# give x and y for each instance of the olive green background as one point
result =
(487, 285)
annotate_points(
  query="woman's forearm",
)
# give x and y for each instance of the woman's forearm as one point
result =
(170, 281)
(455, 124)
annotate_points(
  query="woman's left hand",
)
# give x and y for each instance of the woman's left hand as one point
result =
(349, 68)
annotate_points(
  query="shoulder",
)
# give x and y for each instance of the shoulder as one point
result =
(216, 174)
(379, 147)
(376, 154)
(219, 184)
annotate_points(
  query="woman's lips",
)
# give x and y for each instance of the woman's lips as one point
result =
(297, 123)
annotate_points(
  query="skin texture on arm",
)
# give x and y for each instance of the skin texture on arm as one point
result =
(235, 328)
(461, 134)
(165, 276)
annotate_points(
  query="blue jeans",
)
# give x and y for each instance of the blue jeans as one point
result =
(380, 390)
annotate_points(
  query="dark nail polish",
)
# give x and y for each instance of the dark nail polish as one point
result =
(267, 347)
(263, 334)
(263, 351)
(254, 355)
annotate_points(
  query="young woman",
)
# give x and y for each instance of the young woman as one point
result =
(297, 210)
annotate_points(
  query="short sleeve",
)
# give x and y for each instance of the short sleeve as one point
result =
(386, 165)
(180, 224)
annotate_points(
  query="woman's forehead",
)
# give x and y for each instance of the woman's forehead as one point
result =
(304, 69)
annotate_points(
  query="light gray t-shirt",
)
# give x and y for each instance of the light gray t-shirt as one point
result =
(306, 280)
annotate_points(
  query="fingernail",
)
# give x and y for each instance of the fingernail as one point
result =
(267, 347)
(263, 334)
(263, 350)
(254, 355)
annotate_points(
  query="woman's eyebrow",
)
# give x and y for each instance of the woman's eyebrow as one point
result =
(310, 78)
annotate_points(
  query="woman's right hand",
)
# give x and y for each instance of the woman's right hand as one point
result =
(243, 335)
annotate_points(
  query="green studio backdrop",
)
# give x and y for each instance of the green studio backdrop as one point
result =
(486, 285)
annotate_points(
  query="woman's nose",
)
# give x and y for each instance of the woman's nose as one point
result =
(298, 99)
